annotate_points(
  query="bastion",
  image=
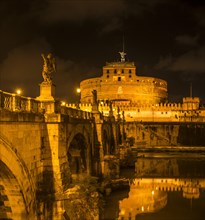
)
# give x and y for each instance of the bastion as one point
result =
(120, 83)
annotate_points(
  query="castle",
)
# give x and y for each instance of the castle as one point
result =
(136, 98)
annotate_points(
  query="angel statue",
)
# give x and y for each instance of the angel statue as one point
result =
(49, 67)
(122, 54)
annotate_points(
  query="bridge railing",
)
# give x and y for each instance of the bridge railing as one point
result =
(75, 113)
(17, 103)
(14, 102)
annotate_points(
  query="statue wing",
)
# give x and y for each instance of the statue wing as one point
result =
(54, 64)
(43, 56)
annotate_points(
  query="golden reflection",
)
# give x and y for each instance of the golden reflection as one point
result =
(150, 194)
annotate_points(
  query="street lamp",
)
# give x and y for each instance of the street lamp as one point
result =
(63, 103)
(78, 92)
(18, 91)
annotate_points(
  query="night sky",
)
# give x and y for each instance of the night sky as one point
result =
(165, 39)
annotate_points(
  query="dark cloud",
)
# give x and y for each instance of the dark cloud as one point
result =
(80, 10)
(19, 25)
(84, 34)
(138, 7)
(192, 61)
(200, 15)
(164, 63)
(68, 77)
(114, 24)
(22, 66)
(187, 40)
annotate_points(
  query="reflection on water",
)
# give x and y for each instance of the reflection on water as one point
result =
(163, 187)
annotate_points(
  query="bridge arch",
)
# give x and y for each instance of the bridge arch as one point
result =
(77, 154)
(16, 186)
(79, 148)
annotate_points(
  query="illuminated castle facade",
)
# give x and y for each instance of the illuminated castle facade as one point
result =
(136, 98)
(120, 83)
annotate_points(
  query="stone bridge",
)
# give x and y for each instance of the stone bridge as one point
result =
(45, 147)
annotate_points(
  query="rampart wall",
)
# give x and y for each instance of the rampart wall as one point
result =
(164, 112)
(140, 89)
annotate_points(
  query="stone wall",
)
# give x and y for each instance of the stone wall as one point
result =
(119, 81)
(162, 112)
(164, 134)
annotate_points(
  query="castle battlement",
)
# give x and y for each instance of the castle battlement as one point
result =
(147, 112)
(191, 99)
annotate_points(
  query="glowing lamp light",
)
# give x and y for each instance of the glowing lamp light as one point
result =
(18, 91)
(152, 192)
(63, 103)
(78, 90)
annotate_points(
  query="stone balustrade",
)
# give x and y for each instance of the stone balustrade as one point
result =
(17, 103)
(75, 113)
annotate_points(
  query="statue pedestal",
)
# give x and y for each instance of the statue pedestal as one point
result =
(47, 97)
(47, 92)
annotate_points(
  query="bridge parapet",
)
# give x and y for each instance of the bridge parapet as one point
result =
(76, 113)
(14, 102)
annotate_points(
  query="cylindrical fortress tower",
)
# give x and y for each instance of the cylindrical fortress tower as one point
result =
(120, 83)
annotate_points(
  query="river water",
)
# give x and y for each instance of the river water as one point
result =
(162, 186)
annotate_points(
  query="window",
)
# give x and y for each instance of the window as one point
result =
(107, 76)
(119, 78)
(130, 76)
(130, 71)
(122, 70)
(115, 71)
(108, 71)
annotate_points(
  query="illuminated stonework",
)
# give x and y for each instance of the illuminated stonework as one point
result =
(119, 82)
(136, 98)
